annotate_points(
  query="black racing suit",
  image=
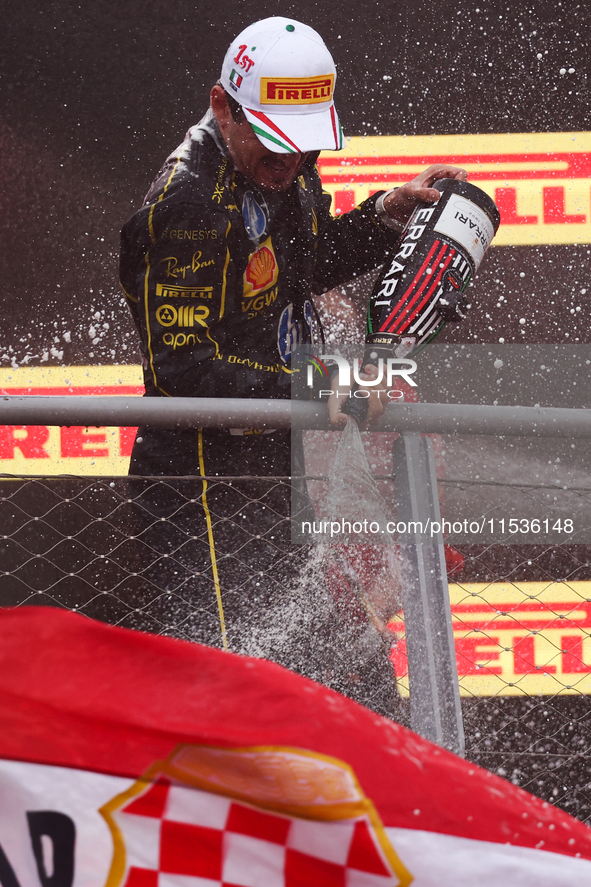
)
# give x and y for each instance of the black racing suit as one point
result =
(219, 276)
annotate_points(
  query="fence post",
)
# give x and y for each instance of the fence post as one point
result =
(435, 708)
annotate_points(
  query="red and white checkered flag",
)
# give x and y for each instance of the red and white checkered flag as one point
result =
(129, 760)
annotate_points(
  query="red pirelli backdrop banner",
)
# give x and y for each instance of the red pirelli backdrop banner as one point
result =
(131, 760)
(541, 182)
(516, 639)
(44, 450)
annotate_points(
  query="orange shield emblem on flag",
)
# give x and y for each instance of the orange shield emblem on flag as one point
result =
(264, 815)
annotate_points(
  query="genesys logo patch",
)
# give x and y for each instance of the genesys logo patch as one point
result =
(262, 270)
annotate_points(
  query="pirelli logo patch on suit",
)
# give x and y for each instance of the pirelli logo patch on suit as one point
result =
(296, 90)
(184, 292)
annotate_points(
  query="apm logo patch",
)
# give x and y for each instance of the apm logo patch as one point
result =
(249, 817)
(183, 316)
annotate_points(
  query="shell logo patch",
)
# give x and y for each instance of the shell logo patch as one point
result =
(262, 270)
(252, 817)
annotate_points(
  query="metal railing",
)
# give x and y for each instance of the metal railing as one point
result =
(97, 546)
(205, 412)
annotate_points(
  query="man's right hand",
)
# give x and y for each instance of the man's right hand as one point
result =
(401, 203)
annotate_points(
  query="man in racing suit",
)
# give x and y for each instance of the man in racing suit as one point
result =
(219, 267)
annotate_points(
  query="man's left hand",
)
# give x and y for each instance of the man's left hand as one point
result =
(376, 402)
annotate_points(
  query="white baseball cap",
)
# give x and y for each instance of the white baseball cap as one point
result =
(283, 76)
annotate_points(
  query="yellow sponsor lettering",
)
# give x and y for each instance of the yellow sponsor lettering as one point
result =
(166, 315)
(218, 191)
(179, 340)
(201, 314)
(184, 315)
(174, 270)
(296, 90)
(257, 303)
(183, 292)
(196, 262)
(190, 234)
(273, 368)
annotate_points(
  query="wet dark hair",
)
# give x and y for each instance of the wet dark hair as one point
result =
(238, 115)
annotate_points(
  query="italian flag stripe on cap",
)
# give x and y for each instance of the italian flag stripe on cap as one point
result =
(337, 129)
(275, 135)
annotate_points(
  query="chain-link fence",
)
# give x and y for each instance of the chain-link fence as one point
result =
(132, 551)
(208, 560)
(211, 560)
(522, 627)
